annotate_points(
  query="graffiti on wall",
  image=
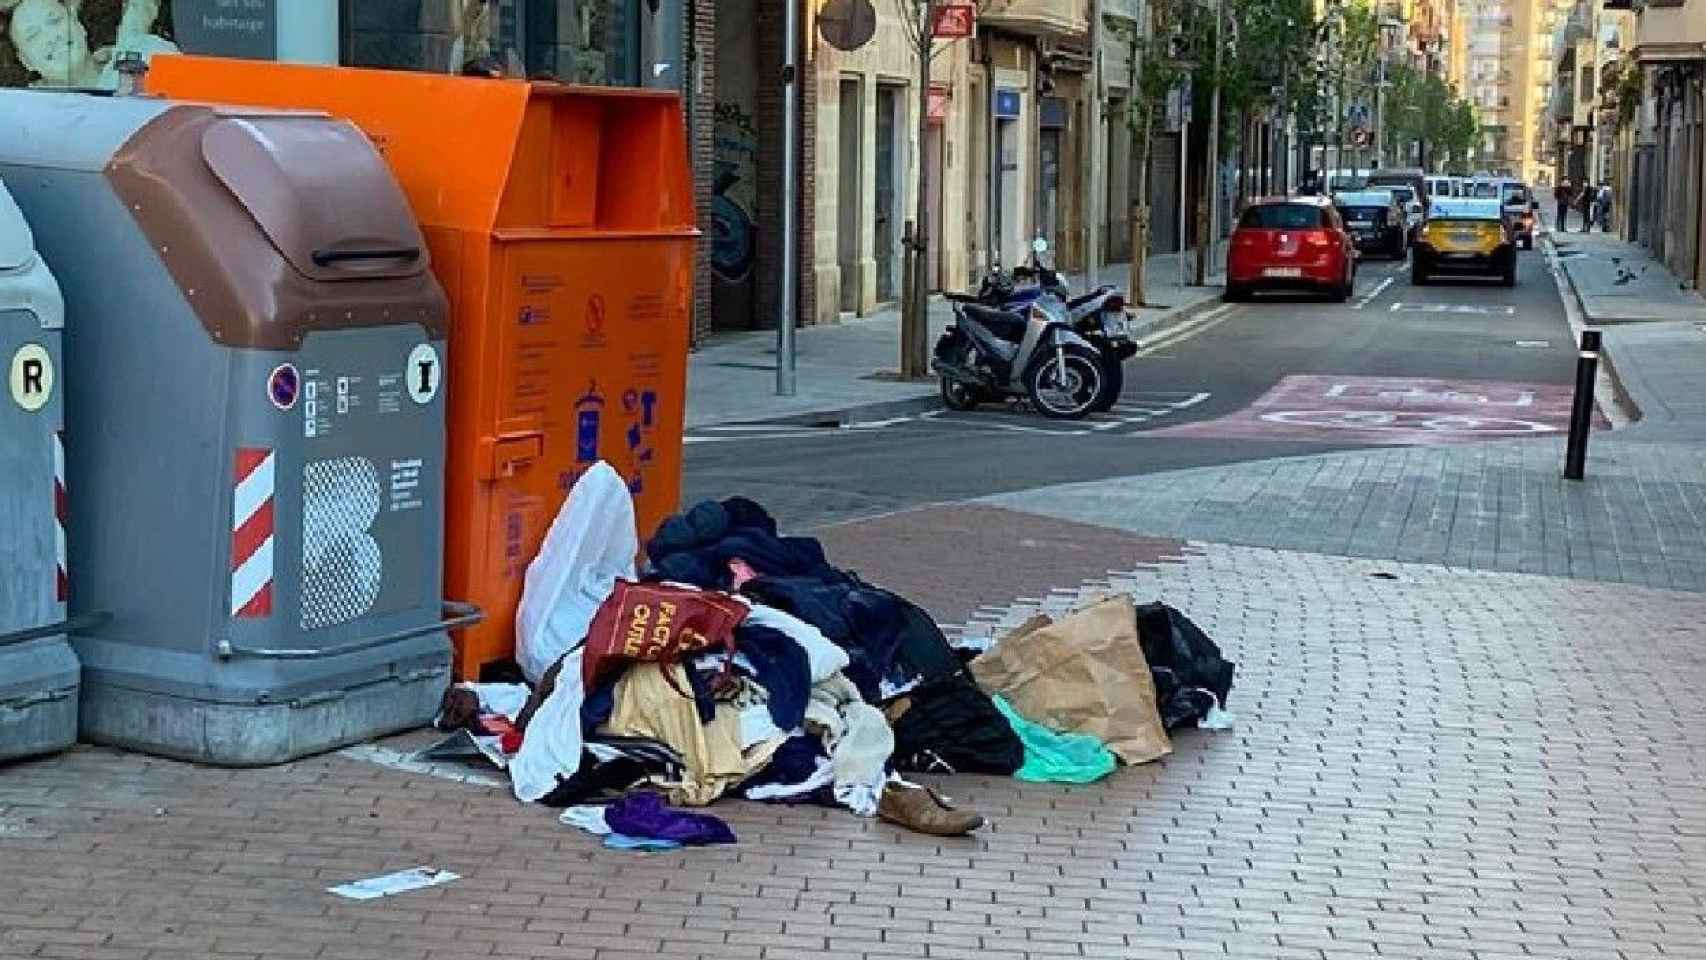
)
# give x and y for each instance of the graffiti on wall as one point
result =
(78, 43)
(735, 204)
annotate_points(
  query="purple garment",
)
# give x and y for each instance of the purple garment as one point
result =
(643, 814)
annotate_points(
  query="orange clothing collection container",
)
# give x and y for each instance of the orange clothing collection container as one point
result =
(560, 222)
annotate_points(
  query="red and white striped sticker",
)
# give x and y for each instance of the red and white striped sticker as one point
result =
(61, 511)
(252, 534)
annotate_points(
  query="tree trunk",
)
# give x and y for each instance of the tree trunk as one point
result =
(915, 322)
(1140, 210)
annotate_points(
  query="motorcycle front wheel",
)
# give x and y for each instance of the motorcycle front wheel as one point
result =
(960, 396)
(1068, 396)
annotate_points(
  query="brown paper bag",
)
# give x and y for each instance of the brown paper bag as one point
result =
(1083, 674)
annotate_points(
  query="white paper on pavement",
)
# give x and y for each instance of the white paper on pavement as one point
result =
(392, 883)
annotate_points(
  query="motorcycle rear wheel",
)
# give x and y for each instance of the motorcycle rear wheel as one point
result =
(960, 396)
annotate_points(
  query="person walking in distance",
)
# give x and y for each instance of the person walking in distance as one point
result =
(1605, 206)
(1561, 196)
(1584, 203)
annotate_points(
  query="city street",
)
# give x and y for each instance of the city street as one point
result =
(1454, 361)
(468, 490)
(1462, 709)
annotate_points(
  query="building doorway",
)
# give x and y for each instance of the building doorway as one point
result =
(886, 215)
(1010, 225)
(847, 226)
(1048, 186)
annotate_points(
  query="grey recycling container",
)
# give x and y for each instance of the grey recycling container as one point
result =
(38, 671)
(256, 407)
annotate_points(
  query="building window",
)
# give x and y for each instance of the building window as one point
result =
(579, 41)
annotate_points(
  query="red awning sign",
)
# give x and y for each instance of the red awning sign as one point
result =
(955, 21)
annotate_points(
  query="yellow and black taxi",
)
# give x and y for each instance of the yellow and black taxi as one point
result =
(1465, 236)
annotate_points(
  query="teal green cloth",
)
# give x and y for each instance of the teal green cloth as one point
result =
(1052, 757)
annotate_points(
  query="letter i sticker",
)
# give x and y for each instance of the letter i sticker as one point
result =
(423, 374)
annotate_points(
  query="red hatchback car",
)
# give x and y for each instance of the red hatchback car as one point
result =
(1291, 243)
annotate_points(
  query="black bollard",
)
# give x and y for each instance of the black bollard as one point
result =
(1581, 415)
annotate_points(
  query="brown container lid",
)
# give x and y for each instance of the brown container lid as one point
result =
(276, 224)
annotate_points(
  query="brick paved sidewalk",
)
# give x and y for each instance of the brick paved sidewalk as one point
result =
(1653, 332)
(1638, 517)
(1439, 764)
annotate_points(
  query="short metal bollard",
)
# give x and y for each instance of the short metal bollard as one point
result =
(1581, 414)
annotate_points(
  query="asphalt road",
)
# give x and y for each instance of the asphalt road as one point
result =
(1453, 361)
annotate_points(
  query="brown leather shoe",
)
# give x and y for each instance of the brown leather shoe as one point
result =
(923, 810)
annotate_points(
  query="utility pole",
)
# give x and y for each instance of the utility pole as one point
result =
(1208, 203)
(785, 359)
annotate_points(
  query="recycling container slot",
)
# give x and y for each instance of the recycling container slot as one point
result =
(325, 258)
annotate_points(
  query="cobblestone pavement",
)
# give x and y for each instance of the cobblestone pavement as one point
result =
(1428, 763)
(1639, 517)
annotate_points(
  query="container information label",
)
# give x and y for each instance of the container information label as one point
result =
(423, 374)
(31, 377)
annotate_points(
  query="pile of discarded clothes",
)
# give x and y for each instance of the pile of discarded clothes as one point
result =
(740, 662)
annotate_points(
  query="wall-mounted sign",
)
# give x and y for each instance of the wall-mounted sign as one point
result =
(1008, 103)
(227, 28)
(847, 24)
(955, 21)
(938, 106)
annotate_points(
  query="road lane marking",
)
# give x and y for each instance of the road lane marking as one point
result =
(1379, 289)
(1459, 308)
(1185, 331)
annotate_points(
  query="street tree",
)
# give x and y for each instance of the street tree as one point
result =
(918, 17)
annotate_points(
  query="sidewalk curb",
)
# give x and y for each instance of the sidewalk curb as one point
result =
(1575, 311)
(860, 413)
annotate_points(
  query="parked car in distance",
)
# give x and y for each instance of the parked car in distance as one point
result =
(1377, 222)
(1291, 243)
(1412, 208)
(1465, 236)
(1411, 177)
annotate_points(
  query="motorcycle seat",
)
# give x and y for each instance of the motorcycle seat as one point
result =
(1007, 326)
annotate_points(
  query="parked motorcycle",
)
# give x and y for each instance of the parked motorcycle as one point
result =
(990, 354)
(1099, 317)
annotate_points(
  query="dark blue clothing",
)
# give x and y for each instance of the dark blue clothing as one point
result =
(780, 666)
(696, 547)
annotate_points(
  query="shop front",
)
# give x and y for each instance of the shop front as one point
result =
(87, 44)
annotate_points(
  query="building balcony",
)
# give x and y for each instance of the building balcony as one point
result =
(1670, 32)
(1061, 19)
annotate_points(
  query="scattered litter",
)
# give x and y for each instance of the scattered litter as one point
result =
(745, 662)
(621, 841)
(393, 883)
(1217, 719)
(588, 817)
(1052, 757)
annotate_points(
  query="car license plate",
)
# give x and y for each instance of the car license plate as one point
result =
(1465, 237)
(1283, 272)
